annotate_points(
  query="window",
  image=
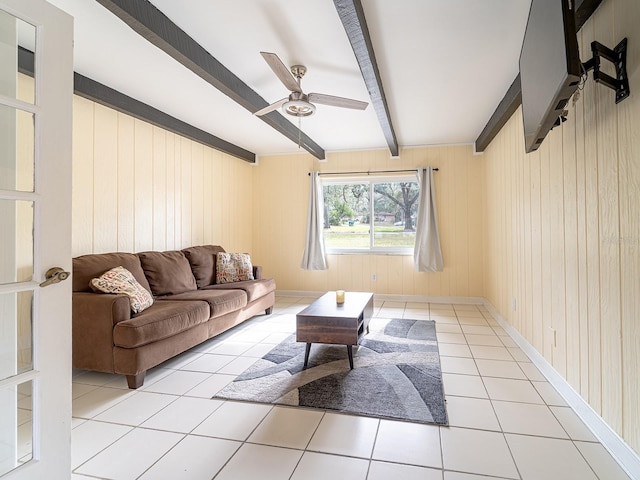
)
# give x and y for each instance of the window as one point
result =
(370, 214)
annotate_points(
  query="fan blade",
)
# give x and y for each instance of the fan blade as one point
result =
(337, 101)
(271, 108)
(281, 71)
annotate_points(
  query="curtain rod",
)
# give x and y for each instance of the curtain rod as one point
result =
(369, 173)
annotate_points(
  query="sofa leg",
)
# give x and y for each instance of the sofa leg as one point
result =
(269, 311)
(135, 381)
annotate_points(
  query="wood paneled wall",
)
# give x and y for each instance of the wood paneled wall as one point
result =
(280, 212)
(562, 237)
(138, 187)
(551, 239)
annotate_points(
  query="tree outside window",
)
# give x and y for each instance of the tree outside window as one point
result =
(370, 214)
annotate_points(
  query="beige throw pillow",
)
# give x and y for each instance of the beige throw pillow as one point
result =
(121, 280)
(233, 267)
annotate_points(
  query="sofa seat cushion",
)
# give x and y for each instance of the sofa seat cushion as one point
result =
(168, 272)
(161, 320)
(203, 263)
(220, 301)
(254, 289)
(88, 267)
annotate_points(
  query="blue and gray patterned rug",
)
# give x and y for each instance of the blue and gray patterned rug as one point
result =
(396, 375)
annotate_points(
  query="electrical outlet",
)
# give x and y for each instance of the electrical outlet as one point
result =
(513, 303)
(554, 337)
(374, 277)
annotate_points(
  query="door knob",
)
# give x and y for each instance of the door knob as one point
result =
(54, 275)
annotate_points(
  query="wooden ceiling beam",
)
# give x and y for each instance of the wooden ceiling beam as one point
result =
(149, 22)
(92, 90)
(99, 93)
(513, 98)
(507, 107)
(352, 16)
(584, 10)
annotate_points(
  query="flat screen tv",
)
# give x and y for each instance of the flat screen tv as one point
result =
(550, 67)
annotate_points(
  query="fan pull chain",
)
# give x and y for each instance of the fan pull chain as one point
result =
(299, 132)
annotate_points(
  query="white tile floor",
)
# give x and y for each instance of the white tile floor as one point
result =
(506, 421)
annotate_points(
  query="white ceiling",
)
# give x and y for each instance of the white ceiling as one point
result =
(445, 65)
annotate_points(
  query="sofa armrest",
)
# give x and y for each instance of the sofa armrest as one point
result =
(94, 316)
(257, 272)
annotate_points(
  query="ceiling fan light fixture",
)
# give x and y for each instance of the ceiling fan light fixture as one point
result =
(299, 108)
(298, 104)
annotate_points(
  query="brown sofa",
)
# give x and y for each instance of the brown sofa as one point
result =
(189, 308)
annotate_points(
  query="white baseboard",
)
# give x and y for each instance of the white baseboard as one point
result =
(384, 297)
(425, 299)
(628, 459)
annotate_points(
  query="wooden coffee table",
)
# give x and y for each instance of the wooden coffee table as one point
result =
(324, 321)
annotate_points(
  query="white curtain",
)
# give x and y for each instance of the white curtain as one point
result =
(314, 254)
(427, 255)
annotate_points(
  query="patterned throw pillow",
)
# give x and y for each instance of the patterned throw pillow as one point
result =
(121, 280)
(233, 267)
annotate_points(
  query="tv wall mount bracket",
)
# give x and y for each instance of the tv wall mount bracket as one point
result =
(618, 56)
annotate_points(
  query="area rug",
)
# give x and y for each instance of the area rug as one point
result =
(396, 375)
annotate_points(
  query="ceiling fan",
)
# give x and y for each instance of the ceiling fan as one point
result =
(298, 103)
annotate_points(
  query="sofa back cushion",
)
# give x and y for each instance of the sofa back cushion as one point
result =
(203, 263)
(88, 267)
(167, 272)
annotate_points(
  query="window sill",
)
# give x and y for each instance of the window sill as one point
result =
(368, 251)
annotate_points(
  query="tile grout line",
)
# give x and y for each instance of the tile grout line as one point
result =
(306, 449)
(184, 436)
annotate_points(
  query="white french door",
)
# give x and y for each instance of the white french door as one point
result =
(35, 235)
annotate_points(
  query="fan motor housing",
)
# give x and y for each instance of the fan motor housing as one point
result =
(298, 71)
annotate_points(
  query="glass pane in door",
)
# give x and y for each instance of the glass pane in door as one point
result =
(16, 241)
(16, 423)
(16, 341)
(17, 137)
(17, 47)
